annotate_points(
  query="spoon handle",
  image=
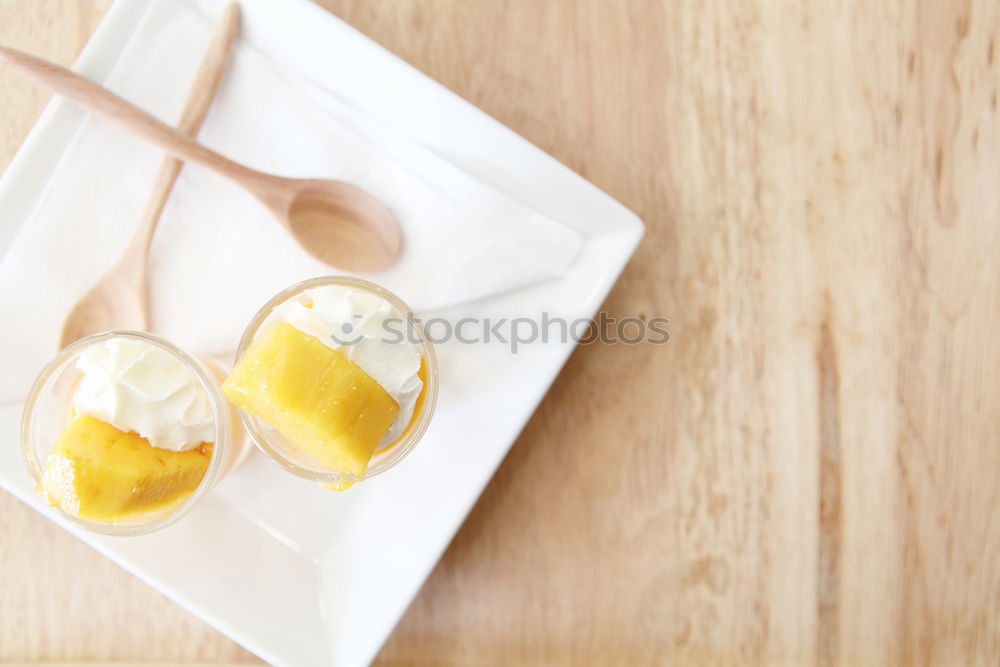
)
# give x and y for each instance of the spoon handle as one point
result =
(103, 102)
(196, 106)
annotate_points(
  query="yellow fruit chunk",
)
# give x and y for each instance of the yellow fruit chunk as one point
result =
(345, 484)
(418, 407)
(98, 472)
(316, 397)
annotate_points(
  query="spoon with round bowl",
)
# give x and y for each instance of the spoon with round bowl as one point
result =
(336, 222)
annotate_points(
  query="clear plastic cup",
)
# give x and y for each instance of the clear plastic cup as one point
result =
(48, 411)
(285, 453)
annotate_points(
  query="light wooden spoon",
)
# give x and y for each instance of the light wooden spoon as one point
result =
(336, 222)
(118, 299)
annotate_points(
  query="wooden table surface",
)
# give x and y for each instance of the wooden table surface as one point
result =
(807, 472)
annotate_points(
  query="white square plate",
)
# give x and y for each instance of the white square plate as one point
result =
(296, 574)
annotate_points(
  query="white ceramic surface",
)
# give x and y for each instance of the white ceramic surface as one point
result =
(299, 575)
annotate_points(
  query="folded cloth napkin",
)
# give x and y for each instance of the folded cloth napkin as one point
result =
(218, 254)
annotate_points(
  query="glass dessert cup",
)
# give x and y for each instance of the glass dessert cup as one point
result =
(49, 410)
(293, 458)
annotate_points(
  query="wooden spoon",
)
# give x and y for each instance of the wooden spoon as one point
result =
(118, 299)
(336, 222)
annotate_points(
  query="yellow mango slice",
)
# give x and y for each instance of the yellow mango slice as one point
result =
(418, 407)
(316, 397)
(344, 484)
(97, 472)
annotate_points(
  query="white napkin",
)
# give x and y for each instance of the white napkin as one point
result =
(218, 254)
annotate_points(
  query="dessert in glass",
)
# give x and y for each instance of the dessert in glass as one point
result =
(335, 380)
(124, 432)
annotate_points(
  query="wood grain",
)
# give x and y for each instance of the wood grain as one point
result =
(806, 473)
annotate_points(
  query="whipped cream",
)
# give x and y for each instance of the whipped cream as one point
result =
(135, 386)
(371, 332)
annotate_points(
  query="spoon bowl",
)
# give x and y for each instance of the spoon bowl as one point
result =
(334, 221)
(107, 305)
